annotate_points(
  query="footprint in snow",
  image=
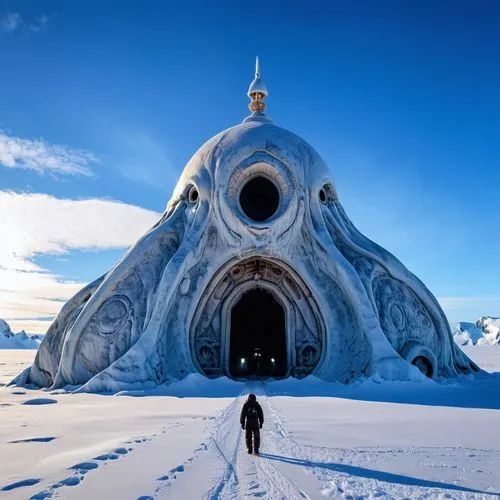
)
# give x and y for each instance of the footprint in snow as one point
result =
(18, 393)
(202, 447)
(20, 484)
(42, 495)
(107, 456)
(84, 467)
(69, 481)
(40, 401)
(173, 473)
(80, 470)
(34, 440)
(138, 440)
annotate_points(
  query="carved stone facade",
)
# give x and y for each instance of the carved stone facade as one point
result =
(210, 329)
(255, 209)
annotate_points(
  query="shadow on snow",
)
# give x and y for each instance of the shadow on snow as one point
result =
(478, 391)
(362, 472)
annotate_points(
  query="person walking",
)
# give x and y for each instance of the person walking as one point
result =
(251, 419)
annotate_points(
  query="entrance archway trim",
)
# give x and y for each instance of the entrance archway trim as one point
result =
(290, 290)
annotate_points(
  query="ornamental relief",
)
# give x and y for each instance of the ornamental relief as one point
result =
(206, 332)
(402, 315)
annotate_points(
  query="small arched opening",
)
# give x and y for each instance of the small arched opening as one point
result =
(421, 357)
(424, 365)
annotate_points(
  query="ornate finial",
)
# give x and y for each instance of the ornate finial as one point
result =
(257, 91)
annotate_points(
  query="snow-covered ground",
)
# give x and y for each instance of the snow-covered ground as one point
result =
(420, 440)
(21, 340)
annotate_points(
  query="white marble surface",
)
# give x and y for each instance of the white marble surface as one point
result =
(135, 327)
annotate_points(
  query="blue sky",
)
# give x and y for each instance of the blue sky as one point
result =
(105, 102)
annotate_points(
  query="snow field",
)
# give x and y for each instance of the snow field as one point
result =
(313, 446)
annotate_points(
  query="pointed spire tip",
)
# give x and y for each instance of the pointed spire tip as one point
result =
(257, 91)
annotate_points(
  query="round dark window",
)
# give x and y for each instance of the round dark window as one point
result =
(259, 199)
(193, 195)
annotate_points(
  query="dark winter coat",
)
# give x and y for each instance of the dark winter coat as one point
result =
(252, 416)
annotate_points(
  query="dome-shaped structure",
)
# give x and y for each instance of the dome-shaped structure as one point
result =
(253, 270)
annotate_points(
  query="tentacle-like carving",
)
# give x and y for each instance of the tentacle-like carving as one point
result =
(407, 311)
(102, 321)
(350, 308)
(114, 318)
(48, 356)
(157, 354)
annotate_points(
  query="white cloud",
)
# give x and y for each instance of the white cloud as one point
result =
(12, 21)
(39, 155)
(34, 224)
(39, 23)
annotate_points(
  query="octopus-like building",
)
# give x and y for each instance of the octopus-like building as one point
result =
(253, 270)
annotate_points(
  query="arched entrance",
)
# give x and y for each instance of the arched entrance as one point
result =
(256, 295)
(257, 340)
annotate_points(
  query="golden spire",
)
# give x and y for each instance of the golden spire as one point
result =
(257, 91)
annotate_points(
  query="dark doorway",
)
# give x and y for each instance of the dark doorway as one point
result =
(257, 345)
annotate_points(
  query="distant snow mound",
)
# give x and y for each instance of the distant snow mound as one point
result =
(485, 331)
(5, 329)
(21, 340)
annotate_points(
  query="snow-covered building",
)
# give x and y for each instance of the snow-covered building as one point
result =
(254, 269)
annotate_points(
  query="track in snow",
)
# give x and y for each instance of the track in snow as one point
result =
(286, 469)
(283, 465)
(244, 474)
